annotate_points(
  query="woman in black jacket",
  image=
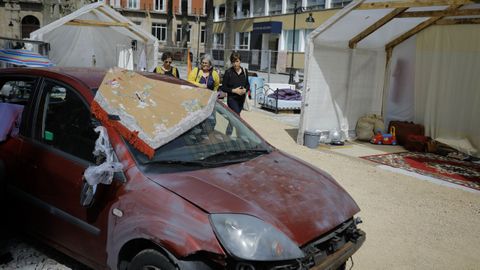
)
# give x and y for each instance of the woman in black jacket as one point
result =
(235, 83)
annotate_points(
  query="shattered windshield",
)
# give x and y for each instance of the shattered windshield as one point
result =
(220, 139)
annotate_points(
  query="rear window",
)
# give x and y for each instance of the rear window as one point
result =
(17, 91)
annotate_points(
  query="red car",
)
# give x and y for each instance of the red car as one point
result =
(204, 201)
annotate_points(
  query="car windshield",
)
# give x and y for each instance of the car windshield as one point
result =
(220, 139)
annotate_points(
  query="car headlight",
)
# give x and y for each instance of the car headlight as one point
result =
(250, 238)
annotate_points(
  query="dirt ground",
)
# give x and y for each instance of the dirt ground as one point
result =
(410, 223)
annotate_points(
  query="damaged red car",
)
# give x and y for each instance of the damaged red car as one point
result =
(205, 200)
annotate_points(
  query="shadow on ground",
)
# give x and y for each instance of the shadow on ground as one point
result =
(293, 132)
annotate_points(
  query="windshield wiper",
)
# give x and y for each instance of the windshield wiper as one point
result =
(241, 155)
(180, 162)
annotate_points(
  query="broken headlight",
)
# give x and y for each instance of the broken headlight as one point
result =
(249, 238)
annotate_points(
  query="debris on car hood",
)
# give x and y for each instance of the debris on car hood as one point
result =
(149, 113)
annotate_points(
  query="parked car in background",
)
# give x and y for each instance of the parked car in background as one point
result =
(204, 201)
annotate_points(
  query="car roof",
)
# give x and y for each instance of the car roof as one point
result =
(91, 77)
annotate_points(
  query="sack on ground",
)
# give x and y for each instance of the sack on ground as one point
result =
(368, 125)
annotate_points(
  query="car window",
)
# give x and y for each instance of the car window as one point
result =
(220, 139)
(18, 90)
(64, 121)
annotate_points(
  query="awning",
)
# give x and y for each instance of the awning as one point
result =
(267, 28)
(24, 58)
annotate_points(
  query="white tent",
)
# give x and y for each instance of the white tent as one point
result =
(98, 36)
(414, 60)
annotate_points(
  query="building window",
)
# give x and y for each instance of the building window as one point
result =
(180, 32)
(339, 3)
(289, 40)
(184, 5)
(159, 30)
(244, 9)
(117, 4)
(202, 34)
(221, 12)
(218, 41)
(316, 4)
(159, 5)
(275, 7)
(244, 41)
(291, 5)
(133, 4)
(258, 8)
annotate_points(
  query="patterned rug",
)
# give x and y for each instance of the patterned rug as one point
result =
(452, 170)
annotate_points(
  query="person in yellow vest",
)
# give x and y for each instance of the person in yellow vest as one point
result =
(166, 68)
(205, 76)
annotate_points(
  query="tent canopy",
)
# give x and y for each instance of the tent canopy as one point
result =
(407, 60)
(96, 35)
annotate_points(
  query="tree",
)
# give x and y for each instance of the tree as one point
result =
(230, 32)
(209, 26)
(169, 23)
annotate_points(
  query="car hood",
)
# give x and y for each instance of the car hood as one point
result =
(300, 200)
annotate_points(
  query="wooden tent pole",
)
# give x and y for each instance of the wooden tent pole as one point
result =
(374, 27)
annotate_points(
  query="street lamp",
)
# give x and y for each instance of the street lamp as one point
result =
(309, 20)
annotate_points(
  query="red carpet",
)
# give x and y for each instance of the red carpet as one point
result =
(452, 170)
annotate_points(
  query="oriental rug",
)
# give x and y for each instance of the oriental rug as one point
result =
(455, 171)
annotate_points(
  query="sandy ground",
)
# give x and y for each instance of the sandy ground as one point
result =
(410, 223)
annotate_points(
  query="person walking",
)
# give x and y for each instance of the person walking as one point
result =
(166, 68)
(235, 84)
(205, 76)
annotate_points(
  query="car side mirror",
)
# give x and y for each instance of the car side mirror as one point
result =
(87, 195)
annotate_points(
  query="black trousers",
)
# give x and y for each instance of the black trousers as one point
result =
(235, 104)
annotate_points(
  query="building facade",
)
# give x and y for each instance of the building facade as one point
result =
(264, 27)
(21, 17)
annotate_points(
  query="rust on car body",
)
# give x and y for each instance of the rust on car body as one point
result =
(166, 210)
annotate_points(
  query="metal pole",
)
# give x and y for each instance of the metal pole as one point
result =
(290, 80)
(269, 64)
(198, 39)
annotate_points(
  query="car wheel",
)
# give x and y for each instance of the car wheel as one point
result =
(150, 259)
(343, 266)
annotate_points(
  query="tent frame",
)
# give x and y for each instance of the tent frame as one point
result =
(117, 20)
(436, 17)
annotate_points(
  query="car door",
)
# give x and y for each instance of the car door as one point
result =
(16, 91)
(56, 156)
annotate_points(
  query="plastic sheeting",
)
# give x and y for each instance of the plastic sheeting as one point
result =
(347, 85)
(343, 84)
(94, 46)
(447, 84)
(103, 173)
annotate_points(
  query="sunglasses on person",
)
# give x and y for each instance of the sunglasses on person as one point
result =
(167, 62)
(205, 63)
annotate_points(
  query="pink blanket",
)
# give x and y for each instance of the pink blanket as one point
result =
(10, 117)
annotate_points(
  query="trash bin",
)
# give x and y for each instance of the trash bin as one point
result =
(311, 139)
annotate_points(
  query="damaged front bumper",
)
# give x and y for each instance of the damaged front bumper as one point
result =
(330, 251)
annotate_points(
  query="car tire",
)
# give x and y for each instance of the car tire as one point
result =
(150, 259)
(343, 266)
